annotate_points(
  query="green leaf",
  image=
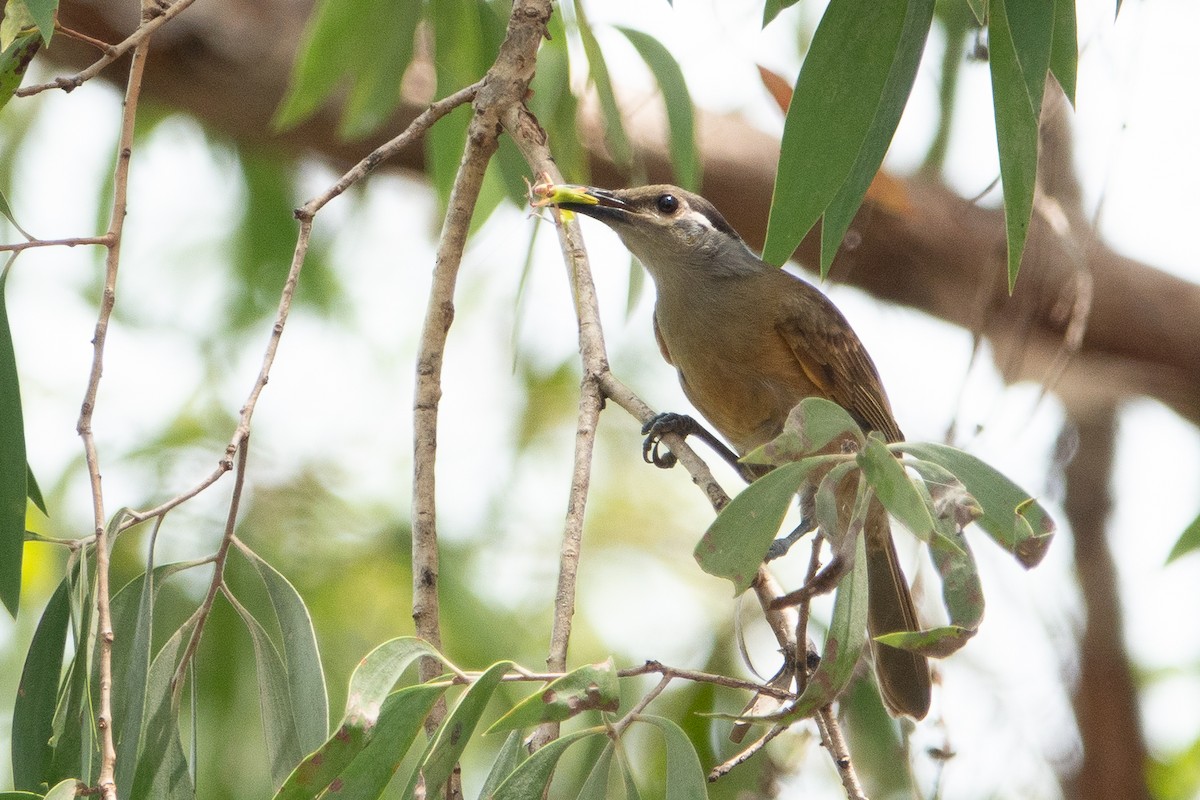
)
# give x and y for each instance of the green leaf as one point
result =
(131, 672)
(43, 12)
(73, 739)
(615, 136)
(933, 642)
(369, 773)
(1064, 47)
(64, 790)
(35, 493)
(33, 708)
(366, 43)
(592, 687)
(555, 105)
(839, 214)
(1019, 33)
(533, 776)
(839, 93)
(162, 768)
(511, 754)
(458, 41)
(14, 469)
(301, 657)
(895, 489)
(979, 10)
(1010, 516)
(274, 698)
(18, 22)
(1188, 541)
(843, 642)
(810, 426)
(772, 8)
(735, 544)
(685, 776)
(5, 208)
(13, 61)
(595, 787)
(452, 737)
(370, 685)
(681, 121)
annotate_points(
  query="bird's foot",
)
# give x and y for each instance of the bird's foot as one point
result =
(780, 547)
(658, 427)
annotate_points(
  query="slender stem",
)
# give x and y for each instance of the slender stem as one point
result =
(504, 87)
(153, 18)
(260, 382)
(835, 742)
(416, 129)
(104, 644)
(705, 677)
(439, 314)
(106, 241)
(218, 578)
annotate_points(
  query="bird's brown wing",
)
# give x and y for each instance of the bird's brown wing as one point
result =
(833, 358)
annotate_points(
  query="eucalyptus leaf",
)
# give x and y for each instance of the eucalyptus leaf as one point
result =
(445, 748)
(685, 777)
(274, 698)
(857, 69)
(1064, 48)
(532, 777)
(1019, 34)
(370, 685)
(301, 657)
(14, 470)
(681, 121)
(595, 786)
(839, 214)
(64, 790)
(33, 707)
(812, 425)
(615, 136)
(1010, 516)
(895, 489)
(1188, 541)
(400, 719)
(511, 754)
(592, 687)
(735, 544)
(162, 770)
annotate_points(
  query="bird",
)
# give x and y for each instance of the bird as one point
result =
(749, 342)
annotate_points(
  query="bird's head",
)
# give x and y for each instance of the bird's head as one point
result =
(670, 230)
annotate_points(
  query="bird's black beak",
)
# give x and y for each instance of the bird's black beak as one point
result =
(599, 203)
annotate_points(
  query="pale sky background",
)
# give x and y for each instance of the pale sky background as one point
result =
(1137, 118)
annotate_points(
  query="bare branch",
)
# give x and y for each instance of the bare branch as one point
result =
(153, 18)
(105, 241)
(104, 643)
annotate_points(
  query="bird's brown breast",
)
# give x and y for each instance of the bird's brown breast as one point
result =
(733, 364)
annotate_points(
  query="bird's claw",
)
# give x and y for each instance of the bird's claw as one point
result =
(658, 427)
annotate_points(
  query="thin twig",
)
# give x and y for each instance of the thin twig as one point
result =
(153, 18)
(106, 241)
(620, 725)
(387, 150)
(439, 314)
(200, 616)
(835, 743)
(704, 677)
(260, 382)
(721, 770)
(106, 780)
(802, 610)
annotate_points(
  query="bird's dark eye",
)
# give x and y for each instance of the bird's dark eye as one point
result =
(667, 203)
